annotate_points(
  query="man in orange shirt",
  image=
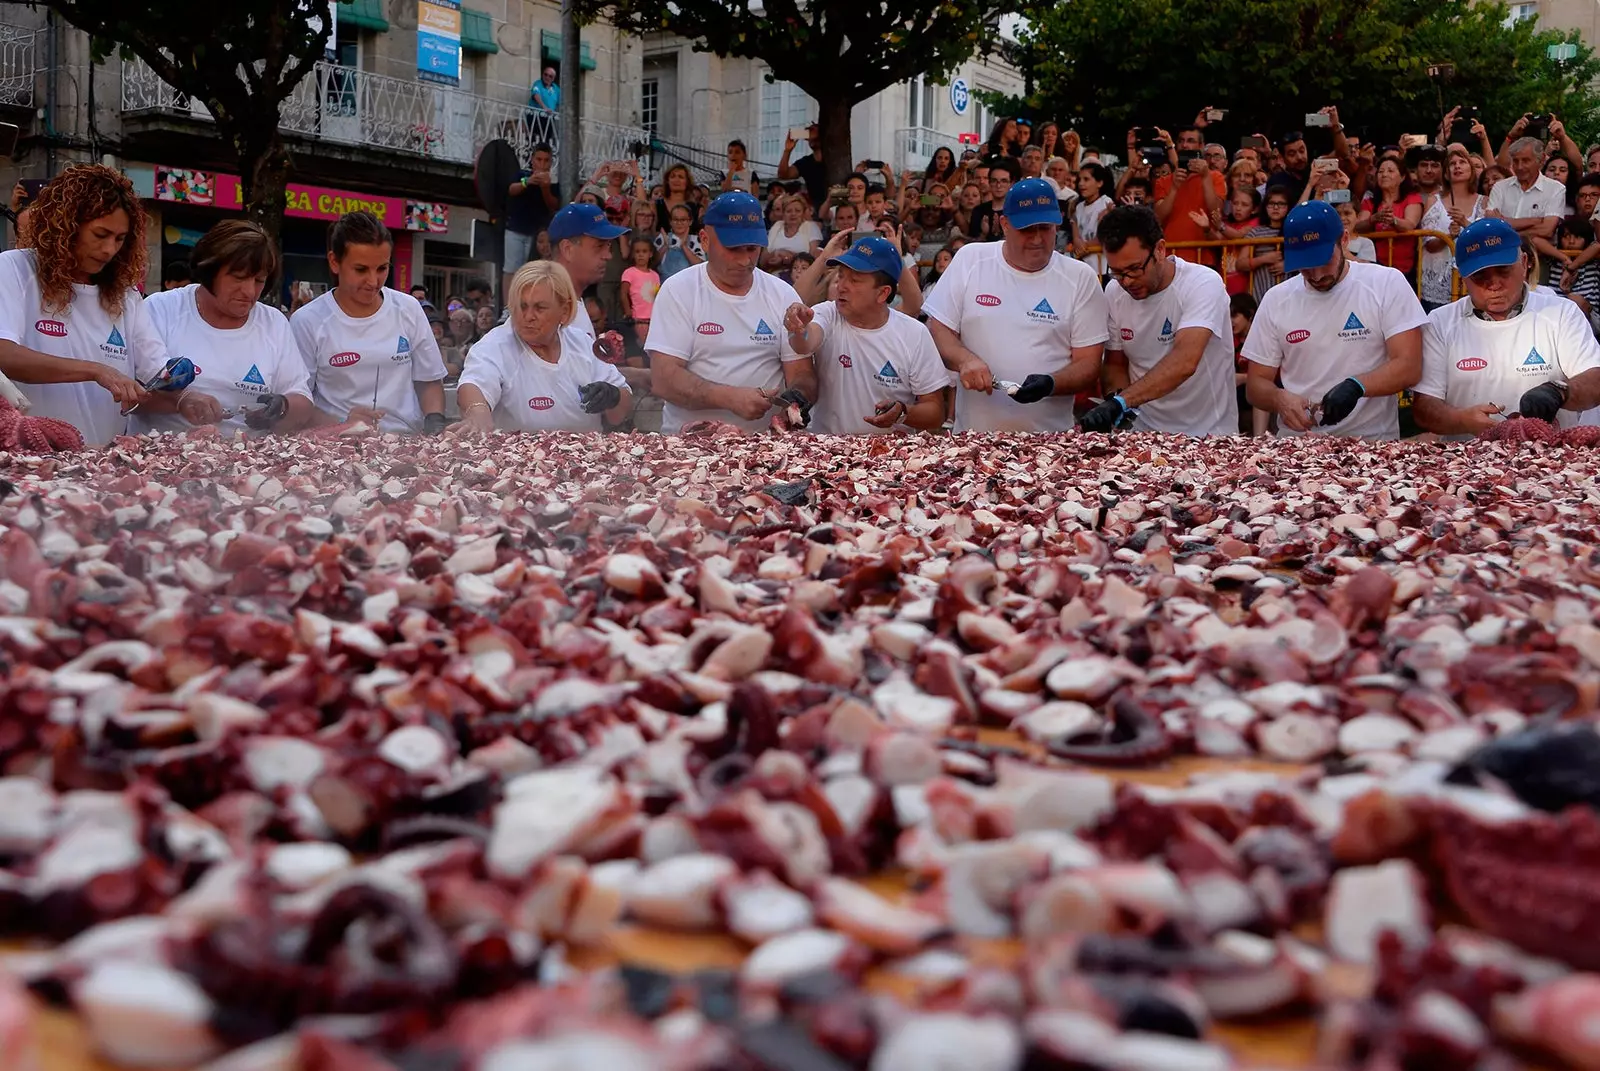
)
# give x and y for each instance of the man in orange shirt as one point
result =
(1192, 190)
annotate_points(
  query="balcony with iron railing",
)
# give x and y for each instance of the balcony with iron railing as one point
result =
(362, 110)
(914, 147)
(19, 65)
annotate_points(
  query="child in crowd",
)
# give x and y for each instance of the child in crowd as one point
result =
(1361, 247)
(639, 285)
(1580, 281)
(846, 219)
(1242, 312)
(1243, 212)
(941, 262)
(800, 263)
(1265, 262)
(877, 203)
(679, 248)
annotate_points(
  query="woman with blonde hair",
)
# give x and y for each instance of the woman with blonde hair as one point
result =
(528, 375)
(75, 336)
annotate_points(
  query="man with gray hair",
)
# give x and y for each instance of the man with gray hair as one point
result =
(1533, 203)
(1216, 156)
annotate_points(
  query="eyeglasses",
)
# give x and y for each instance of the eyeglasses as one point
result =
(1122, 275)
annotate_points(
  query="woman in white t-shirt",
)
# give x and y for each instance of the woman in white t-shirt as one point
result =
(1093, 202)
(369, 350)
(795, 233)
(1451, 209)
(530, 375)
(248, 369)
(74, 334)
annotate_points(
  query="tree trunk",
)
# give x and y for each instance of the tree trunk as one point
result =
(264, 180)
(834, 106)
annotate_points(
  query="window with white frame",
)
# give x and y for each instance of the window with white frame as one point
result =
(920, 97)
(784, 106)
(1518, 12)
(650, 104)
(982, 117)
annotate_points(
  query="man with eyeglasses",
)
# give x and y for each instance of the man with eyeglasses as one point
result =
(1345, 332)
(1171, 328)
(1018, 316)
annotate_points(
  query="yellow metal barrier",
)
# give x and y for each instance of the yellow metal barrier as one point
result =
(1221, 244)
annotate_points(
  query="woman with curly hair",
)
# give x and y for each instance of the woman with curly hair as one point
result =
(74, 334)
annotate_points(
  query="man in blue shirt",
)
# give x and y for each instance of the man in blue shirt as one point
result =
(535, 198)
(546, 95)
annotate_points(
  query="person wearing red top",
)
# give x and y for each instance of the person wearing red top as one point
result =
(1195, 189)
(1393, 206)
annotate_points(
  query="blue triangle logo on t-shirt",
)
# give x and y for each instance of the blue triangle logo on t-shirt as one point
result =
(1533, 358)
(1044, 307)
(763, 329)
(115, 339)
(254, 376)
(888, 372)
(404, 345)
(1166, 327)
(1354, 324)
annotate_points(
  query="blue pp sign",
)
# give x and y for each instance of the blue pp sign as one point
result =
(960, 96)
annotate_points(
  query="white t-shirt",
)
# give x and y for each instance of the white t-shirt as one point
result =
(1086, 214)
(236, 367)
(385, 354)
(732, 341)
(808, 233)
(1547, 198)
(1207, 403)
(82, 331)
(528, 393)
(1362, 249)
(1318, 340)
(859, 367)
(1469, 362)
(1019, 323)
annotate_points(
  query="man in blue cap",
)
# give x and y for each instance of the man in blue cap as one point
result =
(581, 241)
(718, 348)
(1017, 315)
(1507, 347)
(877, 368)
(1344, 332)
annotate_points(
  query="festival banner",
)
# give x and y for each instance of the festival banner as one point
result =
(439, 41)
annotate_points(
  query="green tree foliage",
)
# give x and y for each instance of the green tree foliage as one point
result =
(240, 58)
(839, 51)
(1106, 65)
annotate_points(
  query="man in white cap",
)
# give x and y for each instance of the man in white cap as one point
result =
(1169, 360)
(1347, 333)
(1018, 316)
(717, 344)
(1506, 347)
(877, 368)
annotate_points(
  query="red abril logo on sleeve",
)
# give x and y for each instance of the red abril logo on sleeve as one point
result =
(344, 360)
(541, 403)
(1296, 336)
(709, 328)
(53, 328)
(844, 360)
(1127, 334)
(987, 300)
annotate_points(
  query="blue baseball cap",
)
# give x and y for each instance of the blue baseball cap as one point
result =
(869, 254)
(1311, 235)
(736, 219)
(577, 220)
(1487, 243)
(1032, 202)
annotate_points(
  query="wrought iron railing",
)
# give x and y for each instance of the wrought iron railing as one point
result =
(914, 147)
(19, 65)
(349, 106)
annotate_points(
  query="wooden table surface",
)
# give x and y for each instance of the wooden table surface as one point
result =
(1278, 1043)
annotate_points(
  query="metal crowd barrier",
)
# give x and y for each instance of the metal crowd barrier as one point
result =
(1221, 244)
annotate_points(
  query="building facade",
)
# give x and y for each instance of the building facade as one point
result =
(696, 102)
(362, 128)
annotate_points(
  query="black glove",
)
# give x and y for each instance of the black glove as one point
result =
(272, 409)
(433, 424)
(1341, 401)
(795, 396)
(1542, 402)
(1036, 388)
(598, 396)
(1109, 415)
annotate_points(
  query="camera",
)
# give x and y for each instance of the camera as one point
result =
(1337, 197)
(1318, 119)
(1538, 126)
